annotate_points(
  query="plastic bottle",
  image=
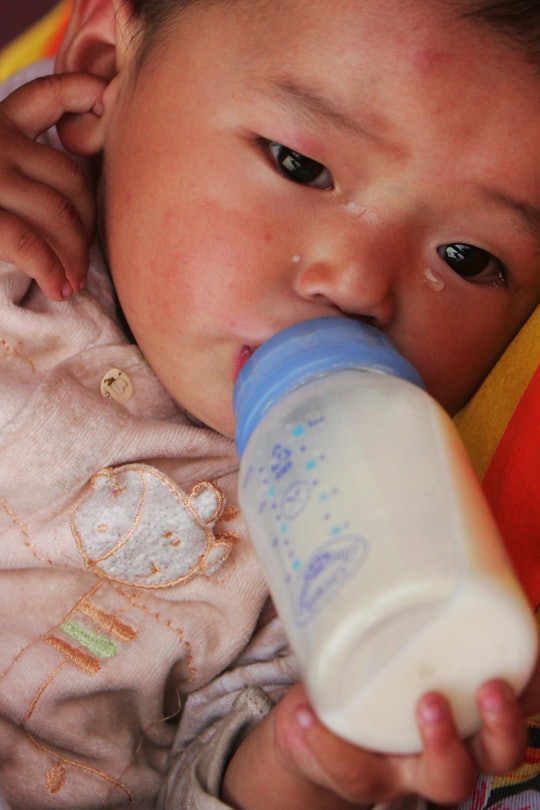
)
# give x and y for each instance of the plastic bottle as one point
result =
(381, 554)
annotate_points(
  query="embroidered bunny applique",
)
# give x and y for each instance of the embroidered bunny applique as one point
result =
(137, 527)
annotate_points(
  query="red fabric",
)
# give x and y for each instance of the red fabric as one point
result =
(512, 487)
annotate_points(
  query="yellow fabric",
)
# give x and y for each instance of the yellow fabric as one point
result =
(34, 43)
(484, 419)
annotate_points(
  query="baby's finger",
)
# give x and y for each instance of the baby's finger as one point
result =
(501, 743)
(55, 218)
(58, 171)
(23, 246)
(448, 773)
(36, 106)
(311, 751)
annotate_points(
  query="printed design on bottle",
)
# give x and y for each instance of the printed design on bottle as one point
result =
(325, 572)
(290, 481)
(137, 527)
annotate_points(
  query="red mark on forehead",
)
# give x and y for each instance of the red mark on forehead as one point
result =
(428, 59)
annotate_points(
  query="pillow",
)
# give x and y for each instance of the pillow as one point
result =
(41, 40)
(500, 427)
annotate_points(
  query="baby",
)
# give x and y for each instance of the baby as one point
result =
(255, 165)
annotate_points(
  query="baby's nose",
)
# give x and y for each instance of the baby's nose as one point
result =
(354, 285)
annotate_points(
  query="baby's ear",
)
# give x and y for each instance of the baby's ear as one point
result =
(91, 44)
(88, 45)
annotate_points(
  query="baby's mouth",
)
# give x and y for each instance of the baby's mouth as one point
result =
(241, 359)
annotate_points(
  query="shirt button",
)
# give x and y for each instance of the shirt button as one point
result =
(116, 384)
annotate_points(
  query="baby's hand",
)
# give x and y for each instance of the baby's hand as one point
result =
(46, 201)
(293, 759)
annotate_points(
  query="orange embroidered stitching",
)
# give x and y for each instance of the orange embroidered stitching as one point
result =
(4, 503)
(230, 513)
(107, 622)
(117, 490)
(15, 351)
(206, 525)
(14, 662)
(55, 779)
(79, 766)
(92, 592)
(81, 660)
(203, 485)
(229, 539)
(42, 688)
(135, 600)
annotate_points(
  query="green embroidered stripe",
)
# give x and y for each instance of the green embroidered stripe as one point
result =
(98, 645)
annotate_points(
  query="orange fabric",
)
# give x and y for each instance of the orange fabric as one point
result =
(500, 427)
(40, 41)
(512, 486)
(51, 47)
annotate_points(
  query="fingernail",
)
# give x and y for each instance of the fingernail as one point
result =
(67, 290)
(304, 716)
(431, 709)
(495, 697)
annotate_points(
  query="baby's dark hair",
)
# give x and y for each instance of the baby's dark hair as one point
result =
(516, 20)
(153, 13)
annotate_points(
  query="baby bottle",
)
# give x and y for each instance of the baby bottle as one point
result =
(380, 552)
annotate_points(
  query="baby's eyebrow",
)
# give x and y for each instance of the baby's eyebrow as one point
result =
(308, 99)
(527, 215)
(317, 103)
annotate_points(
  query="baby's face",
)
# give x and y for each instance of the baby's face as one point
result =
(307, 159)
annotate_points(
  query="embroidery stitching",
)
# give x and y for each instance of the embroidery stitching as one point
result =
(136, 602)
(16, 520)
(23, 528)
(230, 513)
(15, 352)
(55, 778)
(41, 690)
(81, 660)
(184, 526)
(100, 646)
(107, 622)
(135, 526)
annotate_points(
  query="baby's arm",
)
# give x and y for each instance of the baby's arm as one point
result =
(46, 202)
(291, 760)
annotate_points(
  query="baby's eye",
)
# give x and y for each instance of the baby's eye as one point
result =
(299, 168)
(472, 262)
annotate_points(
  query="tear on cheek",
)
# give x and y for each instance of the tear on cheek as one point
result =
(434, 282)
